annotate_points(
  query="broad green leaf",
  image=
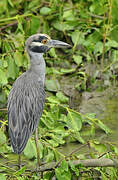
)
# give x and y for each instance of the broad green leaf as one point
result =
(77, 59)
(114, 31)
(48, 175)
(62, 173)
(69, 15)
(30, 149)
(53, 143)
(52, 53)
(12, 69)
(48, 123)
(64, 165)
(2, 177)
(3, 145)
(112, 43)
(101, 148)
(18, 57)
(74, 121)
(78, 137)
(77, 37)
(103, 127)
(52, 85)
(53, 99)
(114, 148)
(62, 98)
(62, 26)
(98, 8)
(35, 24)
(3, 77)
(3, 98)
(76, 170)
(2, 137)
(45, 11)
(98, 48)
(50, 156)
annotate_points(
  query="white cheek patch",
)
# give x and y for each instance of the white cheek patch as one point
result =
(36, 44)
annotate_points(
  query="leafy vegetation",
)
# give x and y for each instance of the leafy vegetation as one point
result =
(91, 28)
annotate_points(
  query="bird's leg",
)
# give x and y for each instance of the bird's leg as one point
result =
(37, 147)
(19, 161)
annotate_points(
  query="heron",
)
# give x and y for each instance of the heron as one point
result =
(27, 96)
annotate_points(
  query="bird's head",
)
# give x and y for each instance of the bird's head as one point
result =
(41, 43)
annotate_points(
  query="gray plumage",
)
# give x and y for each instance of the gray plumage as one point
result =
(27, 96)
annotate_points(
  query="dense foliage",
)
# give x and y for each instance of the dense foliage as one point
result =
(90, 26)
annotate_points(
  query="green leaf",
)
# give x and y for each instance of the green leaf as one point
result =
(74, 120)
(114, 148)
(61, 97)
(2, 177)
(18, 57)
(52, 85)
(103, 127)
(3, 78)
(53, 99)
(50, 156)
(53, 142)
(11, 4)
(20, 20)
(76, 170)
(30, 149)
(52, 53)
(35, 24)
(63, 174)
(62, 26)
(19, 172)
(69, 15)
(12, 69)
(66, 71)
(98, 48)
(78, 137)
(41, 149)
(77, 37)
(45, 11)
(77, 59)
(64, 165)
(48, 175)
(47, 121)
(2, 137)
(104, 176)
(101, 148)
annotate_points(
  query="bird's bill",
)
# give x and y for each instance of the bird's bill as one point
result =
(58, 44)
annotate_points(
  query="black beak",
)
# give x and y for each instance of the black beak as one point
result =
(58, 44)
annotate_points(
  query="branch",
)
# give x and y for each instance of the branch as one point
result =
(102, 162)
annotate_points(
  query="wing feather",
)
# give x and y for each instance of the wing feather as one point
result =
(25, 107)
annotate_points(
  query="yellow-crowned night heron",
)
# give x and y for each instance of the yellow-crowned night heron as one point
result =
(26, 98)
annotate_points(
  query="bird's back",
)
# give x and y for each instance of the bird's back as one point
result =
(25, 107)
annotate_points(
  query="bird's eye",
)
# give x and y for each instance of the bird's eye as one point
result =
(44, 41)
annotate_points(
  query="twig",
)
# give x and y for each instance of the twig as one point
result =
(77, 149)
(96, 16)
(3, 109)
(104, 154)
(8, 25)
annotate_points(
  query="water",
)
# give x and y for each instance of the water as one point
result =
(109, 118)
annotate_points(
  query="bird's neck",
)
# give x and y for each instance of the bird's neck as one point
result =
(37, 65)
